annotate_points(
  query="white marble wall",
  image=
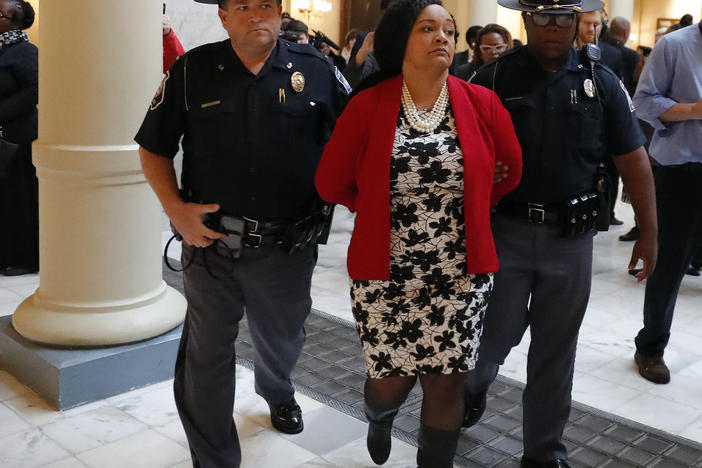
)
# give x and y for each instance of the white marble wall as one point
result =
(194, 23)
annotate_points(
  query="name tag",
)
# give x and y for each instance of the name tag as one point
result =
(210, 104)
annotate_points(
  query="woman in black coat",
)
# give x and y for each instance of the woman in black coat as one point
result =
(19, 246)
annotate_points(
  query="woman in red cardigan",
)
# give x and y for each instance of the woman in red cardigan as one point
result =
(414, 156)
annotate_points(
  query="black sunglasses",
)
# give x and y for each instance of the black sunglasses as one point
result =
(543, 19)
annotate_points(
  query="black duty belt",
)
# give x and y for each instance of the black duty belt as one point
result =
(535, 213)
(260, 233)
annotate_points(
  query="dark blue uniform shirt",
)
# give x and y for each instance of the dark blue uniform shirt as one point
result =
(564, 133)
(250, 142)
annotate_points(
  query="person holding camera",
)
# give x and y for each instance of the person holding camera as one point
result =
(362, 62)
(254, 112)
(570, 113)
(296, 31)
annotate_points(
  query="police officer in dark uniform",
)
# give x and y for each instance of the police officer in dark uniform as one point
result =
(570, 113)
(254, 113)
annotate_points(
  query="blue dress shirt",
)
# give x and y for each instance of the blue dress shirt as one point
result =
(672, 75)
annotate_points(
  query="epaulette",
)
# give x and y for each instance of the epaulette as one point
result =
(494, 65)
(509, 52)
(503, 56)
(305, 49)
(601, 67)
(204, 48)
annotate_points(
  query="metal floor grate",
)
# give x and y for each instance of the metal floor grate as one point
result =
(331, 370)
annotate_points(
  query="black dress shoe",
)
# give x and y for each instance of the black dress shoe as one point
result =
(474, 408)
(557, 463)
(287, 418)
(615, 222)
(693, 271)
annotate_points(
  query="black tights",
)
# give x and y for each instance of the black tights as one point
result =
(442, 405)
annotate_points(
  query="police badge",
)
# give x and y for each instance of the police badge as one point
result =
(297, 80)
(589, 88)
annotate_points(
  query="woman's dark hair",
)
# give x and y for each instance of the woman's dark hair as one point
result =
(394, 31)
(472, 33)
(489, 28)
(686, 20)
(22, 13)
(391, 39)
(673, 28)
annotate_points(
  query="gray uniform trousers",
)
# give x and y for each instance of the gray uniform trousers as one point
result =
(273, 289)
(543, 283)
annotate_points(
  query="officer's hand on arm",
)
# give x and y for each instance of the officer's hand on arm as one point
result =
(365, 49)
(186, 217)
(501, 171)
(638, 181)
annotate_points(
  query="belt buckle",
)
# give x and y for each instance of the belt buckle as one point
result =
(252, 234)
(537, 213)
(255, 223)
(257, 237)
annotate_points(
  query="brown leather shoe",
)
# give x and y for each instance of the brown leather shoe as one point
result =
(652, 368)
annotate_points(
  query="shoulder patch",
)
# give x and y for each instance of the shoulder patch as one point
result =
(632, 107)
(160, 93)
(341, 79)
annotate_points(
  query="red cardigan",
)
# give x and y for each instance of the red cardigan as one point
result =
(355, 170)
(172, 49)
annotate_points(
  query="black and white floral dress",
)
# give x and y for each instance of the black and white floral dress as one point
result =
(427, 319)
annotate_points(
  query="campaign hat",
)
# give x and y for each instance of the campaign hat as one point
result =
(553, 7)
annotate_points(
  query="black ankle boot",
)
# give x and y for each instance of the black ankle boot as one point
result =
(436, 447)
(379, 438)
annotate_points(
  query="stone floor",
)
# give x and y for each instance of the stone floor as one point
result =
(141, 428)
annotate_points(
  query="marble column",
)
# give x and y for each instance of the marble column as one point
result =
(623, 8)
(469, 13)
(481, 12)
(100, 224)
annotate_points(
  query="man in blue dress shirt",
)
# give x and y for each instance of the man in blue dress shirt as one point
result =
(669, 97)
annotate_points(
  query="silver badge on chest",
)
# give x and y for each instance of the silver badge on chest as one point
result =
(589, 88)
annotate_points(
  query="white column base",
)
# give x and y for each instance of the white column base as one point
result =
(95, 325)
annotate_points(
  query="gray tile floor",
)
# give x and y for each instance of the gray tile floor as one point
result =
(141, 428)
(331, 370)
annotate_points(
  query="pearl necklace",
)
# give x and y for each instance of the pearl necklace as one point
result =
(438, 112)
